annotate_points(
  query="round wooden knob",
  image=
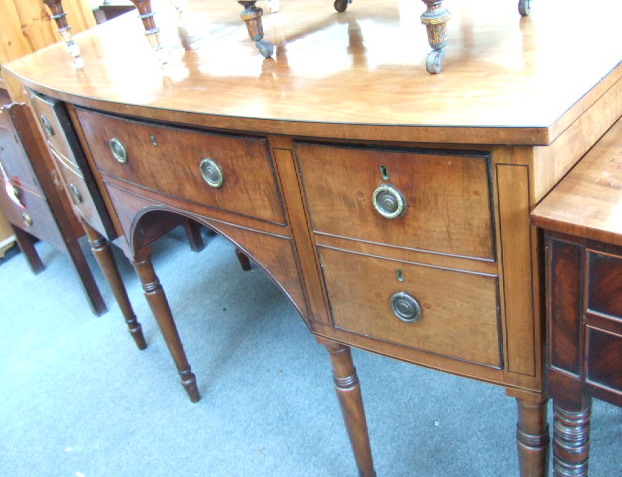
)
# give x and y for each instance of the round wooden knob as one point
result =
(406, 307)
(389, 202)
(212, 173)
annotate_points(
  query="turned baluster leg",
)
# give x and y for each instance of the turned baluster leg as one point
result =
(571, 440)
(435, 20)
(151, 30)
(351, 402)
(64, 30)
(532, 436)
(252, 17)
(103, 255)
(162, 312)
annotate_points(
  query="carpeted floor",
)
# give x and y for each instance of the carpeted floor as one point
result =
(77, 399)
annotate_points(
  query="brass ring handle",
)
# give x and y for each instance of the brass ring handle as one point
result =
(389, 202)
(406, 307)
(212, 173)
(77, 195)
(47, 126)
(118, 150)
(27, 219)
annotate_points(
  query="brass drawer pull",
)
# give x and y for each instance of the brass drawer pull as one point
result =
(47, 126)
(212, 173)
(27, 219)
(406, 307)
(118, 150)
(389, 202)
(77, 195)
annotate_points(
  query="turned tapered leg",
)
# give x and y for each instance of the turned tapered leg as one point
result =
(351, 402)
(571, 440)
(252, 17)
(435, 19)
(26, 244)
(162, 312)
(103, 255)
(532, 436)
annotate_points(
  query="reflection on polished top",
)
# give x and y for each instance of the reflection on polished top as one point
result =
(513, 80)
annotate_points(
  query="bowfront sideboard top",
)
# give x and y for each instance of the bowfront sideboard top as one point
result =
(389, 205)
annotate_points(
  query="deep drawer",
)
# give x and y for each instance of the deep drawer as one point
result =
(172, 161)
(447, 198)
(459, 310)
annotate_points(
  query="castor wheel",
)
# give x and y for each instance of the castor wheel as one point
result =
(524, 7)
(265, 48)
(434, 61)
(341, 5)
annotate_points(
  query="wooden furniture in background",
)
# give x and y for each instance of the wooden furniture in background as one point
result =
(583, 239)
(34, 200)
(389, 205)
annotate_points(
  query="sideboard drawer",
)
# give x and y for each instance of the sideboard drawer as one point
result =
(172, 160)
(605, 284)
(459, 310)
(13, 160)
(447, 197)
(46, 110)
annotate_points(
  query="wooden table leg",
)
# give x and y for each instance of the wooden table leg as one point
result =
(252, 17)
(435, 19)
(571, 440)
(351, 402)
(26, 244)
(193, 234)
(532, 436)
(163, 315)
(86, 277)
(103, 255)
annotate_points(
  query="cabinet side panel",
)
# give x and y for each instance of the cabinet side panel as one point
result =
(565, 305)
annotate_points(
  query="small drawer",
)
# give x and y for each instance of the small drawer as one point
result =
(604, 355)
(27, 200)
(421, 200)
(54, 124)
(225, 172)
(447, 312)
(80, 196)
(37, 220)
(605, 284)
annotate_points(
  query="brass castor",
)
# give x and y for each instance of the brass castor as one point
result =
(524, 7)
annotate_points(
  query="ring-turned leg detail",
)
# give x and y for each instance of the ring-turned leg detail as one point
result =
(571, 441)
(532, 437)
(159, 306)
(351, 402)
(103, 255)
(435, 20)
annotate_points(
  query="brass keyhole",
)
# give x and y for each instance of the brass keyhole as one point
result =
(385, 173)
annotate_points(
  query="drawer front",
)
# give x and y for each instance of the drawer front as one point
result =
(64, 146)
(36, 218)
(170, 160)
(54, 125)
(604, 356)
(459, 310)
(605, 284)
(13, 159)
(447, 198)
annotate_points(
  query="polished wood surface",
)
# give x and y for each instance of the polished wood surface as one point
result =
(596, 180)
(337, 131)
(506, 78)
(584, 284)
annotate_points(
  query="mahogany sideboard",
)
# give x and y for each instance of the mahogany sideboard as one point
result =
(390, 206)
(583, 237)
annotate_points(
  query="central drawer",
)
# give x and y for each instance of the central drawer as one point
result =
(226, 172)
(451, 313)
(445, 197)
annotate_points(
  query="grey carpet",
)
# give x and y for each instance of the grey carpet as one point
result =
(79, 400)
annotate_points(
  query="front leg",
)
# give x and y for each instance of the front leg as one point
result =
(571, 439)
(532, 433)
(159, 306)
(351, 402)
